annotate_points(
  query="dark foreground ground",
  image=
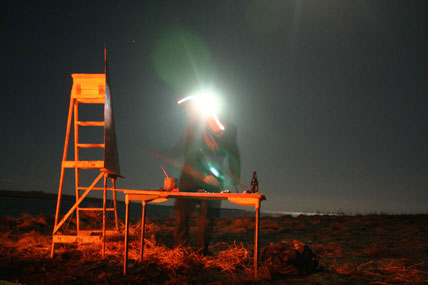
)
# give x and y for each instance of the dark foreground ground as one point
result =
(378, 249)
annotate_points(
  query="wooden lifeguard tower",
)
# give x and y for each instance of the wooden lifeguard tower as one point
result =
(88, 89)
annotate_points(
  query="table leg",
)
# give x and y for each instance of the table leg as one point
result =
(143, 226)
(256, 240)
(125, 255)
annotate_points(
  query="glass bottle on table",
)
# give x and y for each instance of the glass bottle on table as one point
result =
(254, 183)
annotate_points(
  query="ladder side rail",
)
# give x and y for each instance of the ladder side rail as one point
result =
(76, 158)
(61, 178)
(64, 158)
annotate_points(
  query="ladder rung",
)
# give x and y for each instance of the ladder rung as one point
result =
(93, 123)
(78, 239)
(93, 164)
(94, 209)
(91, 232)
(90, 99)
(90, 145)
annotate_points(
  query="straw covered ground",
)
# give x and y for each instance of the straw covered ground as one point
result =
(378, 249)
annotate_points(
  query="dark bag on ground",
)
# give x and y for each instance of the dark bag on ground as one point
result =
(289, 257)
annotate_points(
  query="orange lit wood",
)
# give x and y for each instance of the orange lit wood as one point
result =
(88, 94)
(91, 100)
(146, 196)
(90, 145)
(101, 188)
(76, 239)
(243, 201)
(61, 179)
(77, 203)
(94, 164)
(92, 232)
(95, 209)
(90, 123)
(86, 89)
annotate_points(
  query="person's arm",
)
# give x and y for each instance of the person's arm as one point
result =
(172, 155)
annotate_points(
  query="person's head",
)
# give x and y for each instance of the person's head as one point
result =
(203, 108)
(191, 111)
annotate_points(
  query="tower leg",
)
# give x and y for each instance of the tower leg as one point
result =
(61, 178)
(58, 207)
(104, 215)
(115, 204)
(76, 158)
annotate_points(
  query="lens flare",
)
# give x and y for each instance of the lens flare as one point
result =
(206, 103)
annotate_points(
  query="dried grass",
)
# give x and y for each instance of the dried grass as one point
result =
(358, 249)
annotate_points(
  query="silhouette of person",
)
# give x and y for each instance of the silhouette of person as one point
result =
(208, 146)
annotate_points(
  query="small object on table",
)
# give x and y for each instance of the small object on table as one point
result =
(169, 183)
(225, 191)
(254, 183)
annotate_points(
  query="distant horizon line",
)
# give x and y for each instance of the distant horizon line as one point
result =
(37, 194)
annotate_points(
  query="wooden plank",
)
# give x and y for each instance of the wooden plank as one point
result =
(97, 232)
(159, 200)
(143, 197)
(99, 188)
(85, 79)
(90, 145)
(76, 239)
(64, 158)
(90, 100)
(76, 158)
(68, 164)
(94, 209)
(89, 81)
(244, 201)
(167, 194)
(91, 123)
(90, 92)
(93, 164)
(103, 251)
(113, 182)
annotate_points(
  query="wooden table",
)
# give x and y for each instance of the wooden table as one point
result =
(146, 196)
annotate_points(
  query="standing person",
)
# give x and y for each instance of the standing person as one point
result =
(208, 145)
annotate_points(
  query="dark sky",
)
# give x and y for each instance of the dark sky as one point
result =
(329, 97)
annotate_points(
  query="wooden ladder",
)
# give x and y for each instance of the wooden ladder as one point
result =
(87, 89)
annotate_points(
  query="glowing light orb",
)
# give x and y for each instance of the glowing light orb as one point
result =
(206, 104)
(214, 171)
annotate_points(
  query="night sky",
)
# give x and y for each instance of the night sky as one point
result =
(329, 97)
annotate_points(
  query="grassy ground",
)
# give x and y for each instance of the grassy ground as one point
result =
(378, 249)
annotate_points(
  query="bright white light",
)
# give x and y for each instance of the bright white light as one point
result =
(206, 104)
(214, 171)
